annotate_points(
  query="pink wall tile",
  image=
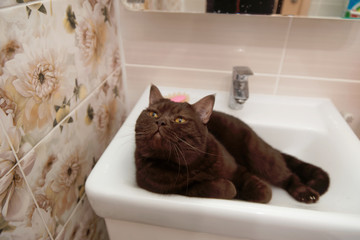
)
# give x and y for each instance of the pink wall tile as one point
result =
(323, 48)
(206, 41)
(139, 77)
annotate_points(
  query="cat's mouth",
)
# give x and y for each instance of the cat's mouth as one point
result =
(158, 140)
(157, 134)
(161, 135)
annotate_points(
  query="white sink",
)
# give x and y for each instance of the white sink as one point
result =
(309, 128)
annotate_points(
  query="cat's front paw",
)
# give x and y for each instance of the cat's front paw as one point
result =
(226, 189)
(305, 194)
(219, 188)
(256, 190)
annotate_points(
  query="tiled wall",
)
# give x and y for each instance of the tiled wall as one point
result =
(61, 102)
(290, 56)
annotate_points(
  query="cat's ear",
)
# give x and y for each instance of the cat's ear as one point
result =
(155, 95)
(204, 107)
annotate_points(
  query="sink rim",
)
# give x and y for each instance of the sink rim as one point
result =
(131, 208)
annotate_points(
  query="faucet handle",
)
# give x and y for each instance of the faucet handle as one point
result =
(241, 72)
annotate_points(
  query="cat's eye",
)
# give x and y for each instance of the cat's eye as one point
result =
(180, 120)
(153, 114)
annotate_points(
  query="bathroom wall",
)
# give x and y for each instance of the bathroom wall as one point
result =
(328, 8)
(61, 101)
(290, 56)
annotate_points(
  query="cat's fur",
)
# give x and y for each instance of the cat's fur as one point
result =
(214, 155)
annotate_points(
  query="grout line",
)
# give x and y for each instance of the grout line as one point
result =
(36, 145)
(283, 54)
(28, 186)
(66, 117)
(255, 73)
(70, 217)
(43, 139)
(177, 68)
(318, 7)
(11, 146)
(35, 202)
(18, 161)
(122, 54)
(24, 178)
(322, 79)
(265, 74)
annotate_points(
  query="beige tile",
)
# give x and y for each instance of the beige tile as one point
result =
(345, 95)
(139, 77)
(323, 48)
(84, 224)
(64, 158)
(51, 74)
(18, 208)
(205, 41)
(10, 139)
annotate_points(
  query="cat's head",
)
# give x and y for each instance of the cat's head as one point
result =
(172, 130)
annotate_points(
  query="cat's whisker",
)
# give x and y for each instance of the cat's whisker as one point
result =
(170, 152)
(193, 147)
(126, 137)
(142, 133)
(186, 166)
(179, 165)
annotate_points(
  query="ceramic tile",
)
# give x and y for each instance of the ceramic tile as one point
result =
(84, 224)
(17, 208)
(53, 56)
(64, 159)
(345, 95)
(205, 41)
(51, 60)
(9, 138)
(20, 219)
(323, 48)
(328, 8)
(139, 77)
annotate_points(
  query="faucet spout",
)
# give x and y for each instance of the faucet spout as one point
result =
(239, 91)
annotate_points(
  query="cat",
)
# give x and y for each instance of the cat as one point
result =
(191, 150)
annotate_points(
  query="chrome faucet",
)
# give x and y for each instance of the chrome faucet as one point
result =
(239, 91)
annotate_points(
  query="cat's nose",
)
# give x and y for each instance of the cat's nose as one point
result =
(160, 123)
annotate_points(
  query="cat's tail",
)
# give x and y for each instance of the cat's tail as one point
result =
(311, 175)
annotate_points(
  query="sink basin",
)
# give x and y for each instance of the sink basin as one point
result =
(309, 128)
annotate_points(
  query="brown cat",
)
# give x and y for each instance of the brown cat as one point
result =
(195, 151)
